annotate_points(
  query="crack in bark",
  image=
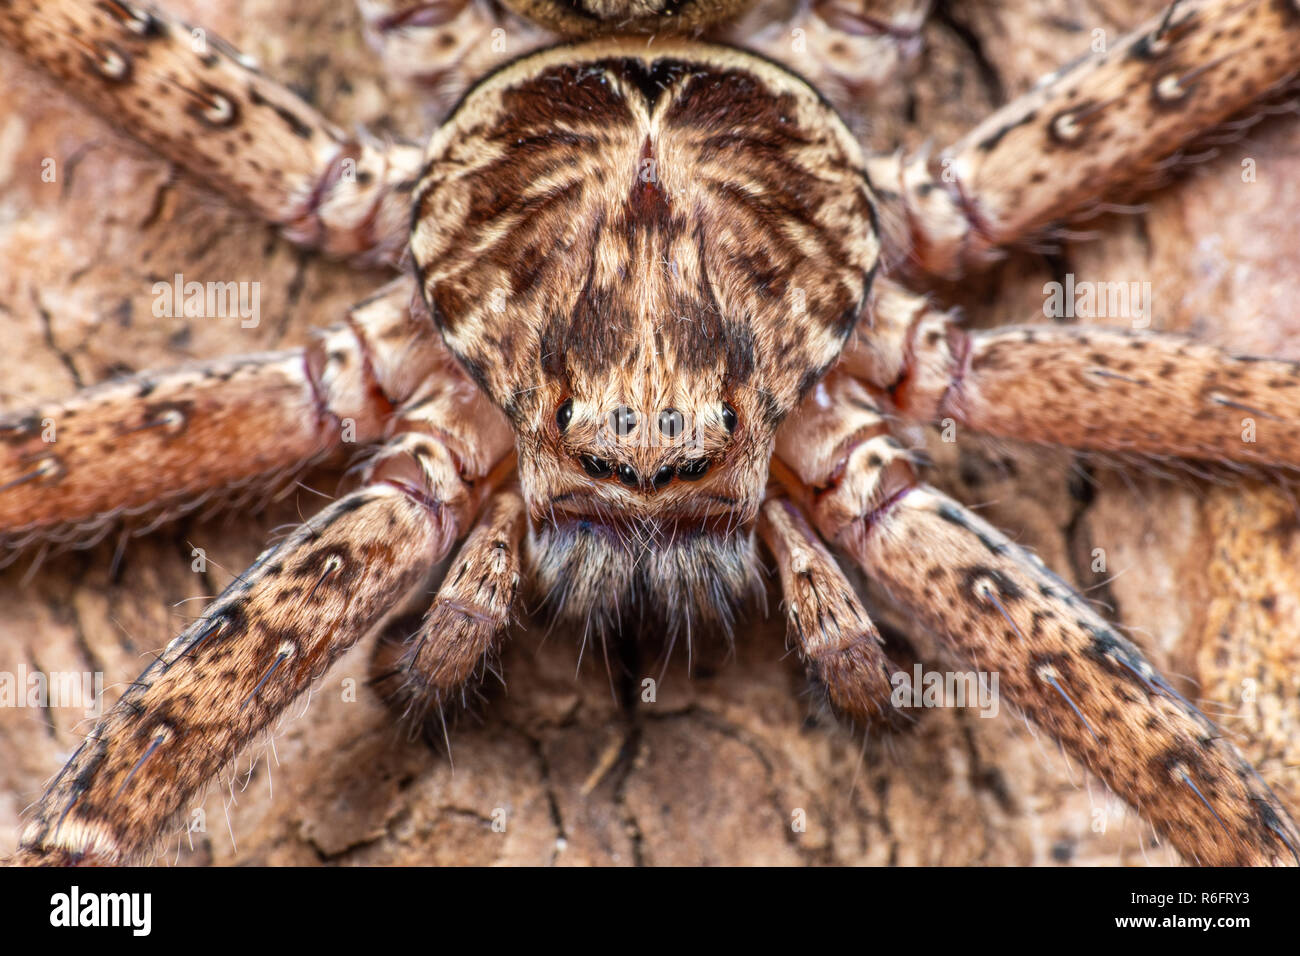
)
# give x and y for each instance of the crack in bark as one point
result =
(548, 787)
(626, 767)
(47, 716)
(47, 326)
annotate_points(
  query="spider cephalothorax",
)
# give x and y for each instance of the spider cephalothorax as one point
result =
(646, 273)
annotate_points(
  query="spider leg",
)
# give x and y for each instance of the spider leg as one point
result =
(159, 444)
(835, 635)
(1105, 127)
(1148, 393)
(1004, 612)
(422, 675)
(207, 108)
(260, 644)
(445, 45)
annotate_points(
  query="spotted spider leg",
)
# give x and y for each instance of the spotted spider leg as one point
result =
(1105, 127)
(432, 670)
(1146, 393)
(194, 99)
(835, 635)
(1003, 612)
(276, 628)
(159, 444)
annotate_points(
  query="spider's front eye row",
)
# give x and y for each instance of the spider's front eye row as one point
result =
(596, 467)
(692, 470)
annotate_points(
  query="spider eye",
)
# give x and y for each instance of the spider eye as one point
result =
(671, 422)
(622, 420)
(564, 414)
(728, 417)
(662, 476)
(596, 467)
(693, 470)
(627, 475)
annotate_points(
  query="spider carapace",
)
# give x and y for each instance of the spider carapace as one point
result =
(650, 344)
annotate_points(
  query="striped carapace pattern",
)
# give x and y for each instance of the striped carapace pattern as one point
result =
(684, 229)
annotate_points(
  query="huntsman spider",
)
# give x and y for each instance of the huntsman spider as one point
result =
(657, 324)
